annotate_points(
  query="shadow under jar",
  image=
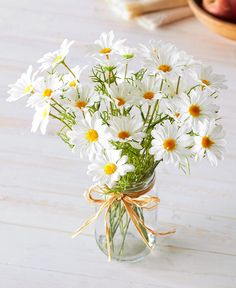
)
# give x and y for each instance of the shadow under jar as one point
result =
(126, 243)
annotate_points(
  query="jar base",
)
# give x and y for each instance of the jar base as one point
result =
(133, 249)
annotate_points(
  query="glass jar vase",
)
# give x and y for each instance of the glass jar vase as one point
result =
(125, 240)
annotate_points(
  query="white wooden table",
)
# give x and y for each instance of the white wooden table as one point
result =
(42, 183)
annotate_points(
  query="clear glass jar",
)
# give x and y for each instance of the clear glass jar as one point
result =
(125, 241)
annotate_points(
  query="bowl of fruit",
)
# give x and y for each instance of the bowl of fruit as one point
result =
(217, 15)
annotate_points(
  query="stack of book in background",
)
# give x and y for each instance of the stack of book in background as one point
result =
(152, 13)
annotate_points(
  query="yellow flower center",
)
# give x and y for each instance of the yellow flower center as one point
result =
(148, 95)
(72, 83)
(28, 88)
(165, 68)
(123, 134)
(80, 104)
(206, 82)
(110, 168)
(169, 144)
(105, 50)
(194, 110)
(47, 92)
(207, 142)
(58, 58)
(121, 101)
(91, 135)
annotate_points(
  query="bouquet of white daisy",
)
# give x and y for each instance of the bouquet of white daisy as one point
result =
(138, 108)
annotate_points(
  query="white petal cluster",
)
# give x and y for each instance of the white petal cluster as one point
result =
(109, 167)
(52, 59)
(126, 129)
(89, 137)
(210, 142)
(138, 106)
(106, 45)
(170, 143)
(24, 85)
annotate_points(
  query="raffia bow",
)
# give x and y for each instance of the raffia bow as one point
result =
(130, 200)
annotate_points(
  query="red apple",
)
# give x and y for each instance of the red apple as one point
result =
(225, 9)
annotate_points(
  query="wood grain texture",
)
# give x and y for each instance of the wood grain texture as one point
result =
(42, 182)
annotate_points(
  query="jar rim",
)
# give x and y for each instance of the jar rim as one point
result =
(145, 184)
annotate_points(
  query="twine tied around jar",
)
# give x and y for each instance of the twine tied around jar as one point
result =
(130, 201)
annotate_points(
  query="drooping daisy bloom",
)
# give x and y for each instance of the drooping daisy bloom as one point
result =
(127, 129)
(41, 118)
(170, 143)
(210, 142)
(163, 58)
(106, 45)
(44, 90)
(109, 166)
(123, 94)
(207, 79)
(24, 85)
(80, 98)
(148, 90)
(89, 136)
(51, 59)
(196, 108)
(171, 107)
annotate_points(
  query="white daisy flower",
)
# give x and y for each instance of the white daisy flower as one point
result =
(109, 167)
(148, 90)
(90, 136)
(163, 58)
(170, 143)
(51, 59)
(123, 94)
(72, 80)
(127, 53)
(127, 129)
(41, 118)
(106, 45)
(210, 142)
(44, 90)
(196, 108)
(24, 85)
(81, 98)
(207, 79)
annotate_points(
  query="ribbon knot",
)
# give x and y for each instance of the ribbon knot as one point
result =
(130, 201)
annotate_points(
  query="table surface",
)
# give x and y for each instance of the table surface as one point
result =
(42, 182)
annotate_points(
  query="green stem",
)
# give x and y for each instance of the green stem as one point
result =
(126, 70)
(177, 88)
(141, 111)
(64, 110)
(58, 118)
(68, 68)
(153, 113)
(124, 236)
(55, 108)
(118, 221)
(148, 112)
(57, 103)
(159, 121)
